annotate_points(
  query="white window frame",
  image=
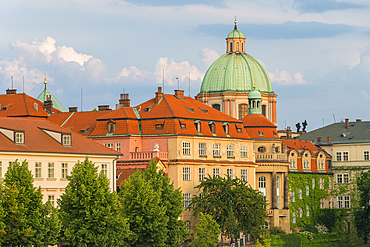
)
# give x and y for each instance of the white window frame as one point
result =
(216, 172)
(347, 202)
(345, 156)
(345, 178)
(118, 146)
(202, 149)
(202, 173)
(231, 172)
(186, 148)
(338, 155)
(19, 137)
(186, 173)
(307, 190)
(262, 182)
(187, 198)
(366, 155)
(109, 145)
(244, 151)
(216, 150)
(244, 175)
(51, 198)
(66, 140)
(313, 183)
(300, 212)
(339, 178)
(230, 151)
(64, 170)
(293, 218)
(104, 169)
(293, 196)
(307, 210)
(329, 183)
(300, 193)
(51, 170)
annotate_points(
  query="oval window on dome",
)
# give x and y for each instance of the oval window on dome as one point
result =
(261, 149)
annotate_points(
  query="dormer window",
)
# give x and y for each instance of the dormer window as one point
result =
(19, 137)
(110, 127)
(212, 127)
(66, 139)
(182, 125)
(159, 126)
(226, 128)
(238, 129)
(36, 107)
(197, 126)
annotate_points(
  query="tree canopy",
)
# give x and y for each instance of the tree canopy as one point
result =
(233, 203)
(207, 232)
(362, 214)
(89, 211)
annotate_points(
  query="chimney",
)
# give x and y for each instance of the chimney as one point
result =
(124, 100)
(48, 104)
(358, 120)
(158, 95)
(318, 140)
(328, 139)
(11, 91)
(72, 109)
(103, 107)
(179, 93)
(296, 138)
(288, 133)
(346, 123)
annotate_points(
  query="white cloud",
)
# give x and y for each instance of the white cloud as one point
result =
(285, 78)
(364, 94)
(209, 56)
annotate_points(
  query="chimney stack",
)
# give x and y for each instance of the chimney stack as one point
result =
(346, 123)
(179, 93)
(158, 95)
(358, 120)
(11, 91)
(288, 133)
(72, 109)
(296, 138)
(103, 107)
(328, 139)
(48, 104)
(318, 140)
(124, 101)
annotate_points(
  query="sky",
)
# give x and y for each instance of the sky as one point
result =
(317, 52)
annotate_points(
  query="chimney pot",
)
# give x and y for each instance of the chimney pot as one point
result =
(328, 139)
(346, 123)
(158, 95)
(159, 89)
(318, 140)
(103, 107)
(288, 133)
(11, 91)
(179, 93)
(358, 120)
(124, 100)
(72, 109)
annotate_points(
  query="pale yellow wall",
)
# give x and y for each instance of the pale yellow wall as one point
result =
(56, 186)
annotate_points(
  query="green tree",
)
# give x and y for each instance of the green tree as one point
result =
(362, 214)
(233, 203)
(141, 204)
(207, 232)
(89, 211)
(28, 221)
(171, 199)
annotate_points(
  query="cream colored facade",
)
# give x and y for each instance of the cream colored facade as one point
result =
(187, 169)
(50, 179)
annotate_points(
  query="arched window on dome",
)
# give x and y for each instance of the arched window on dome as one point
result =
(254, 104)
(216, 106)
(264, 110)
(237, 46)
(243, 111)
(231, 46)
(242, 47)
(258, 104)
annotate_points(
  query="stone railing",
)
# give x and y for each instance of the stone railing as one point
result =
(148, 155)
(281, 157)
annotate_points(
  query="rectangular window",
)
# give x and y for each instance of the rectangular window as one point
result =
(187, 197)
(202, 173)
(244, 151)
(313, 183)
(345, 178)
(64, 170)
(339, 178)
(202, 149)
(346, 202)
(329, 183)
(51, 170)
(366, 155)
(118, 147)
(230, 172)
(307, 211)
(293, 196)
(293, 217)
(340, 202)
(186, 174)
(19, 137)
(308, 163)
(188, 225)
(186, 148)
(345, 156)
(230, 151)
(244, 175)
(330, 203)
(104, 169)
(321, 183)
(1, 169)
(216, 172)
(109, 145)
(216, 150)
(66, 140)
(37, 169)
(339, 156)
(52, 200)
(277, 202)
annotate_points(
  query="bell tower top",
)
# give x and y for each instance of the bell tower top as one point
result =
(235, 41)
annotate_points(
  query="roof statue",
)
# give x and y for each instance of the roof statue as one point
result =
(304, 124)
(44, 95)
(298, 126)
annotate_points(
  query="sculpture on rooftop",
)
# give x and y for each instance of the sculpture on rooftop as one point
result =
(304, 125)
(298, 126)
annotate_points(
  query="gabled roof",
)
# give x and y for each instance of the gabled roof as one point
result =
(22, 105)
(259, 127)
(338, 133)
(37, 138)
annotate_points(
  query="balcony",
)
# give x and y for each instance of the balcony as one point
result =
(279, 157)
(148, 155)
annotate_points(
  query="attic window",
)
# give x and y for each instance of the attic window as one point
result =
(197, 126)
(110, 127)
(212, 127)
(36, 107)
(66, 139)
(238, 130)
(159, 126)
(206, 111)
(190, 109)
(226, 128)
(183, 126)
(19, 137)
(275, 134)
(147, 109)
(261, 133)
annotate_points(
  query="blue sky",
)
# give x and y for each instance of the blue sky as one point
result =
(317, 52)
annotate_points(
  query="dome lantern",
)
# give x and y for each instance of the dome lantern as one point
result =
(235, 41)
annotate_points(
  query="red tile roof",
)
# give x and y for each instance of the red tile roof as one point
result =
(22, 105)
(258, 126)
(37, 140)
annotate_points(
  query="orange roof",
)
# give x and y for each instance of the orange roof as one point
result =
(258, 126)
(37, 138)
(22, 105)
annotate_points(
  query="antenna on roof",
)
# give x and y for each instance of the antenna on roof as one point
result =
(334, 117)
(163, 80)
(189, 84)
(23, 84)
(124, 90)
(178, 84)
(12, 81)
(81, 99)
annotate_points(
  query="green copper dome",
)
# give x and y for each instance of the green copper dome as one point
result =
(254, 94)
(235, 73)
(235, 34)
(56, 104)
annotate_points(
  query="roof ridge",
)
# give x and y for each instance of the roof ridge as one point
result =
(25, 102)
(169, 107)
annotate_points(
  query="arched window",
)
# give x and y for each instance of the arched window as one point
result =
(300, 193)
(254, 104)
(216, 106)
(231, 46)
(258, 104)
(237, 46)
(243, 111)
(262, 182)
(264, 110)
(307, 190)
(242, 47)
